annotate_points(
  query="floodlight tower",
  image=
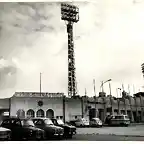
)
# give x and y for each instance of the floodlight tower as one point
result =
(70, 14)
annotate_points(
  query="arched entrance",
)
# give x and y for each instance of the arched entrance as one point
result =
(49, 113)
(30, 113)
(20, 113)
(40, 113)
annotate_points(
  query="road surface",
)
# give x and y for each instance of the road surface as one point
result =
(93, 137)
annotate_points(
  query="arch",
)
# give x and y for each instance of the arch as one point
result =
(40, 113)
(49, 113)
(20, 113)
(30, 113)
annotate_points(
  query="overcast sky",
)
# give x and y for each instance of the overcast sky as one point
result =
(109, 44)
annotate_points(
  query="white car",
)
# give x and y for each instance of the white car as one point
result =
(82, 122)
(96, 122)
(122, 120)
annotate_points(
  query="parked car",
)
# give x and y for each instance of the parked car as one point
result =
(69, 130)
(119, 120)
(22, 128)
(96, 122)
(5, 134)
(82, 122)
(108, 119)
(51, 131)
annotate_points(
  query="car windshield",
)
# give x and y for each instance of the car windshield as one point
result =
(48, 122)
(97, 120)
(27, 123)
(60, 122)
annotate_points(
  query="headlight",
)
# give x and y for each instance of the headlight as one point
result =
(30, 132)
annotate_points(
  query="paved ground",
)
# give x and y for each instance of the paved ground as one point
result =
(131, 133)
(134, 130)
(92, 137)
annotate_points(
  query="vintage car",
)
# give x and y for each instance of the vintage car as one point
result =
(96, 122)
(5, 134)
(51, 131)
(118, 120)
(22, 129)
(69, 130)
(81, 122)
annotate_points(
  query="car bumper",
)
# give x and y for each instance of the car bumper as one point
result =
(5, 137)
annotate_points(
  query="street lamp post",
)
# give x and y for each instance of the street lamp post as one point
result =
(103, 82)
(118, 101)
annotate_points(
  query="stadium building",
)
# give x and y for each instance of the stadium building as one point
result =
(31, 104)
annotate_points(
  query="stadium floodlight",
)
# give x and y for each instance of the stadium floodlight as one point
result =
(70, 14)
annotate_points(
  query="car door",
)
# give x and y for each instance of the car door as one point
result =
(17, 130)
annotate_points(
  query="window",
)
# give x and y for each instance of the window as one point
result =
(48, 122)
(30, 113)
(57, 117)
(61, 117)
(50, 113)
(40, 113)
(5, 122)
(60, 122)
(119, 117)
(27, 123)
(39, 122)
(16, 123)
(54, 121)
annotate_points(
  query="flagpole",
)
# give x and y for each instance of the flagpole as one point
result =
(128, 88)
(133, 89)
(94, 87)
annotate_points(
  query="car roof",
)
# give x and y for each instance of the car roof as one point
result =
(40, 118)
(13, 117)
(96, 118)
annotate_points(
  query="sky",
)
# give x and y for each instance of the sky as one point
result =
(108, 42)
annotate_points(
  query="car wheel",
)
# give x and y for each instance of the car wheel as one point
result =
(70, 136)
(9, 137)
(39, 137)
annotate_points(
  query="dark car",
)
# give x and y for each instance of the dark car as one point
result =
(22, 129)
(5, 134)
(51, 131)
(69, 130)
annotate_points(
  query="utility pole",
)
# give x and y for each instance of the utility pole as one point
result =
(70, 14)
(110, 88)
(85, 92)
(94, 94)
(133, 89)
(94, 87)
(40, 84)
(128, 88)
